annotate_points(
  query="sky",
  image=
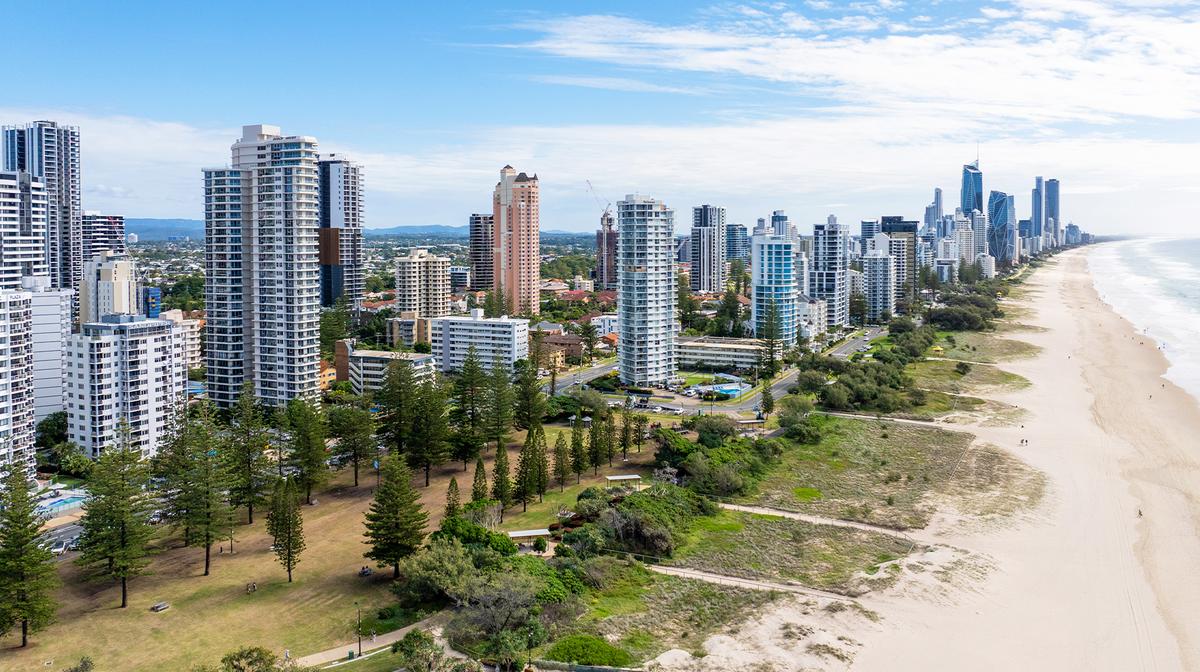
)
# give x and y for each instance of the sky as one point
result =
(855, 109)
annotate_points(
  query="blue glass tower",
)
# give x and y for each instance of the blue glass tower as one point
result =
(972, 189)
(1001, 225)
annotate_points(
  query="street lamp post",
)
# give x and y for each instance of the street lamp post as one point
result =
(358, 609)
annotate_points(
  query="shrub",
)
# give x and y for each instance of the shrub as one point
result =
(962, 368)
(588, 650)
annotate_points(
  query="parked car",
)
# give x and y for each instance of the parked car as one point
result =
(59, 547)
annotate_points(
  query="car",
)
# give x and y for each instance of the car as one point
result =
(73, 544)
(155, 518)
(59, 547)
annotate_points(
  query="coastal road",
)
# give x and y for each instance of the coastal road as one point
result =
(851, 346)
(569, 380)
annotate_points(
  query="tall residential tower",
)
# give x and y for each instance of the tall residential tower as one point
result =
(50, 153)
(646, 325)
(340, 235)
(516, 256)
(708, 249)
(262, 287)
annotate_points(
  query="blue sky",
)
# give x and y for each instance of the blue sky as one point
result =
(857, 109)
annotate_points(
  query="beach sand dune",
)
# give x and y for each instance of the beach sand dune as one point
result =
(1084, 583)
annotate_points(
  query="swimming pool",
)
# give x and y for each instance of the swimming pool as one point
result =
(61, 504)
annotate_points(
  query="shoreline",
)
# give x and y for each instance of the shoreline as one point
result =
(1081, 581)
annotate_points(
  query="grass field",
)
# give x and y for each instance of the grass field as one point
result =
(941, 376)
(865, 471)
(778, 549)
(210, 616)
(647, 613)
(984, 347)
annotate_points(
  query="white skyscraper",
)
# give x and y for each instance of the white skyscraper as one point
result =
(774, 281)
(16, 382)
(50, 153)
(423, 283)
(22, 228)
(979, 227)
(262, 285)
(50, 327)
(879, 278)
(341, 235)
(102, 233)
(708, 249)
(646, 290)
(827, 277)
(965, 238)
(140, 363)
(108, 287)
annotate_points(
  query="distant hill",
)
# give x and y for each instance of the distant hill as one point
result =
(162, 229)
(420, 230)
(450, 231)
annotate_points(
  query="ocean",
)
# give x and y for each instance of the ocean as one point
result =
(1155, 284)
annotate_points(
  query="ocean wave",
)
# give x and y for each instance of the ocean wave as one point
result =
(1155, 284)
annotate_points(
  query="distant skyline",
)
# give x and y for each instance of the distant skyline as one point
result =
(854, 109)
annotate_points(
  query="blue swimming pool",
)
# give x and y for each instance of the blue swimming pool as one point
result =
(61, 504)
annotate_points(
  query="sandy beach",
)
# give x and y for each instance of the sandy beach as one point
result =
(1082, 583)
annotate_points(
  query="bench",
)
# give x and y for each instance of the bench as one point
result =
(160, 606)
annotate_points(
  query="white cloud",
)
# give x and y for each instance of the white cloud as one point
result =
(616, 84)
(1061, 88)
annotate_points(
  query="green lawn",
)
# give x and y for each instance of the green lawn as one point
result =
(212, 615)
(858, 466)
(941, 376)
(779, 549)
(647, 613)
(981, 346)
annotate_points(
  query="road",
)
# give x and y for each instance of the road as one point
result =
(851, 346)
(569, 380)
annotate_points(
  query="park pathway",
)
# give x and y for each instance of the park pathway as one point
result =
(907, 535)
(385, 640)
(754, 584)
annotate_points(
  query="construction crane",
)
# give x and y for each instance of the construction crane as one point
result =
(605, 207)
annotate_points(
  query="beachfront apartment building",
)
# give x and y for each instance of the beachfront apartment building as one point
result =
(124, 370)
(774, 282)
(715, 354)
(17, 394)
(423, 283)
(340, 236)
(827, 276)
(646, 321)
(262, 276)
(495, 339)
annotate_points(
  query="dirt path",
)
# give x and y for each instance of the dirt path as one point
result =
(752, 584)
(909, 535)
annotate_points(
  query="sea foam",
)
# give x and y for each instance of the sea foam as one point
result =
(1155, 284)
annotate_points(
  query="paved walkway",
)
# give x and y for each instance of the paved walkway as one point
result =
(381, 641)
